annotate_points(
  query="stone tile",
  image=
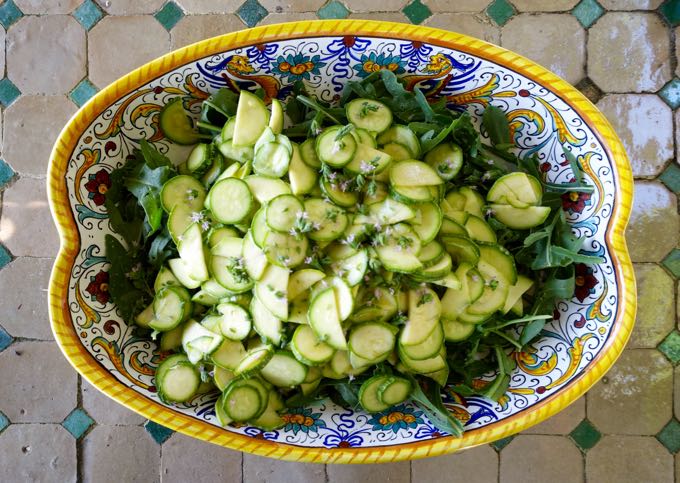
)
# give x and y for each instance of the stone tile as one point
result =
(563, 422)
(82, 92)
(474, 25)
(417, 12)
(44, 387)
(669, 436)
(670, 11)
(676, 119)
(645, 125)
(654, 211)
(38, 452)
(677, 51)
(46, 115)
(634, 397)
(3, 36)
(670, 93)
(182, 456)
(26, 226)
(273, 18)
(46, 54)
(656, 306)
(137, 40)
(5, 339)
(392, 473)
(332, 10)
(622, 39)
(537, 459)
(677, 468)
(676, 392)
(113, 454)
(210, 6)
(251, 12)
(77, 423)
(158, 432)
(286, 6)
(388, 16)
(499, 444)
(478, 465)
(559, 33)
(105, 410)
(42, 7)
(585, 435)
(631, 4)
(88, 14)
(23, 305)
(670, 347)
(257, 469)
(500, 11)
(169, 15)
(385, 5)
(6, 174)
(130, 7)
(629, 458)
(9, 13)
(587, 12)
(193, 28)
(543, 6)
(472, 6)
(8, 92)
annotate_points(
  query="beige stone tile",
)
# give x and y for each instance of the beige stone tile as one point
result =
(466, 23)
(257, 469)
(559, 33)
(543, 6)
(27, 116)
(631, 4)
(676, 392)
(389, 472)
(210, 6)
(629, 458)
(42, 7)
(193, 28)
(645, 125)
(44, 387)
(654, 211)
(478, 465)
(187, 459)
(285, 6)
(457, 6)
(656, 306)
(676, 121)
(564, 421)
(388, 16)
(677, 468)
(46, 55)
(635, 396)
(105, 410)
(37, 453)
(620, 40)
(273, 18)
(115, 454)
(383, 5)
(3, 36)
(26, 226)
(23, 305)
(118, 45)
(130, 7)
(539, 459)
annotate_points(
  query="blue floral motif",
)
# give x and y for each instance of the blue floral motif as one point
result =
(295, 67)
(374, 62)
(302, 419)
(396, 418)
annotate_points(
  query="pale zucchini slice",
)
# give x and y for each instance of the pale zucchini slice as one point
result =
(324, 319)
(284, 370)
(271, 290)
(265, 323)
(252, 117)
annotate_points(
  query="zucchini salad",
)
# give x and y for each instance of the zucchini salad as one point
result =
(376, 250)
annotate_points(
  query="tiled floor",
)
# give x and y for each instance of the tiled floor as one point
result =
(57, 53)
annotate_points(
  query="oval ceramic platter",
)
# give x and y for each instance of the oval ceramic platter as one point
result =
(583, 340)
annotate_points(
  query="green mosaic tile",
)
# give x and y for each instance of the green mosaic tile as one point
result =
(8, 92)
(332, 10)
(500, 11)
(587, 12)
(671, 347)
(88, 14)
(502, 443)
(670, 93)
(585, 435)
(77, 423)
(672, 262)
(6, 173)
(671, 177)
(5, 256)
(169, 15)
(670, 10)
(5, 339)
(251, 12)
(82, 92)
(4, 422)
(416, 12)
(9, 13)
(159, 433)
(669, 436)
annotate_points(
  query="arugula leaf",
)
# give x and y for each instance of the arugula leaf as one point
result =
(430, 401)
(161, 248)
(127, 285)
(219, 107)
(152, 157)
(496, 124)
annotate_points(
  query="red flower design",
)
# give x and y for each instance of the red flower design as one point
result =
(575, 202)
(585, 281)
(97, 186)
(99, 287)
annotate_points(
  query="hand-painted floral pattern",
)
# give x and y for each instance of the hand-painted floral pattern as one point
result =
(396, 418)
(375, 62)
(575, 202)
(297, 67)
(99, 287)
(302, 419)
(97, 186)
(585, 282)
